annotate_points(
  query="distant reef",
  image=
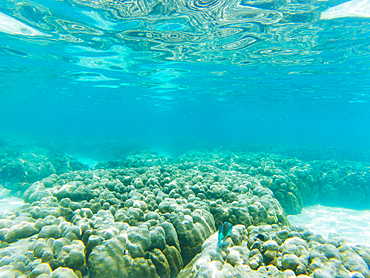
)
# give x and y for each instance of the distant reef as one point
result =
(147, 215)
(295, 183)
(20, 167)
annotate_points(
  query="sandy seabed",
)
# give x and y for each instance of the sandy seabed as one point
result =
(353, 225)
(9, 203)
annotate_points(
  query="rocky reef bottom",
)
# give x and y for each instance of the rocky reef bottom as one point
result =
(156, 217)
(273, 251)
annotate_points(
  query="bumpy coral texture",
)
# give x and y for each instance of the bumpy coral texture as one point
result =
(153, 216)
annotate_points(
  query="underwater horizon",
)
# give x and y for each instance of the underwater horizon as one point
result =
(181, 139)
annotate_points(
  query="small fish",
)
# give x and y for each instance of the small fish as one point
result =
(223, 233)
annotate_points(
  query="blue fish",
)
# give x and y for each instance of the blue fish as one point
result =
(223, 233)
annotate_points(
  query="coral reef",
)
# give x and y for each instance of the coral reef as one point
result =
(152, 216)
(345, 184)
(23, 164)
(273, 251)
(22, 169)
(142, 220)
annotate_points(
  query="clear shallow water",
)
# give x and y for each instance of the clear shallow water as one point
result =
(100, 78)
(353, 225)
(186, 74)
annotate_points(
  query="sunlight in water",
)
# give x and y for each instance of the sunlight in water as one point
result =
(12, 26)
(354, 8)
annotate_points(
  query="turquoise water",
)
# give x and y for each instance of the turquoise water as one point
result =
(209, 103)
(179, 75)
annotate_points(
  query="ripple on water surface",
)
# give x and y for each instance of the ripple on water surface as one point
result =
(353, 225)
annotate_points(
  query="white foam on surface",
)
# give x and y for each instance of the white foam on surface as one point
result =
(350, 224)
(13, 26)
(354, 8)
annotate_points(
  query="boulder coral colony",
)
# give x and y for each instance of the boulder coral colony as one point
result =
(155, 216)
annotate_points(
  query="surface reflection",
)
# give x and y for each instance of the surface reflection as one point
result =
(235, 31)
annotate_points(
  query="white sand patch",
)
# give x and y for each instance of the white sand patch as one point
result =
(10, 203)
(353, 225)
